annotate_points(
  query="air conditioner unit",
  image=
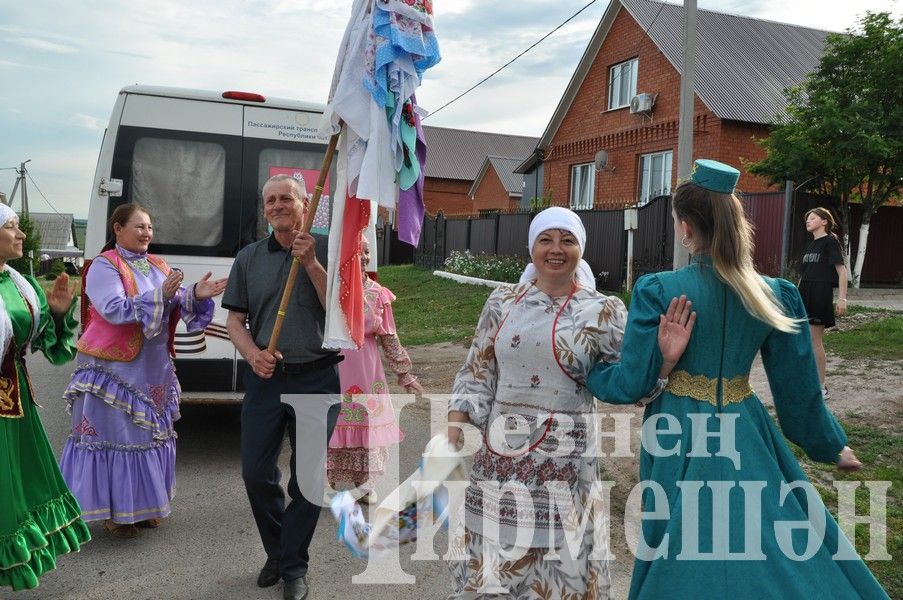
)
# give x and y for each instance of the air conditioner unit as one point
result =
(642, 103)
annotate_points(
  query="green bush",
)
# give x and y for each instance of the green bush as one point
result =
(57, 268)
(486, 266)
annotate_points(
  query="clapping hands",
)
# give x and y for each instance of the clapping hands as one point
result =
(172, 283)
(207, 288)
(203, 289)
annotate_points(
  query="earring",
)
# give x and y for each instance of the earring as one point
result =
(685, 242)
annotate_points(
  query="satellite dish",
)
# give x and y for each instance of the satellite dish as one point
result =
(601, 160)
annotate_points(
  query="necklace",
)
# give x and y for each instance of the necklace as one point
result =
(140, 264)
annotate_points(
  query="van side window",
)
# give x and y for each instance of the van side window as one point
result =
(182, 183)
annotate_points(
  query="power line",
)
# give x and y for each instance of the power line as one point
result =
(497, 71)
(42, 194)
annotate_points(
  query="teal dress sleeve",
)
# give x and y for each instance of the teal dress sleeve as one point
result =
(630, 380)
(793, 378)
(56, 334)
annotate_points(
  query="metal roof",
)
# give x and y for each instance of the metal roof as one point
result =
(504, 168)
(743, 65)
(56, 230)
(459, 153)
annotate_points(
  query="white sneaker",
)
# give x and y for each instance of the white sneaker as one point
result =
(824, 393)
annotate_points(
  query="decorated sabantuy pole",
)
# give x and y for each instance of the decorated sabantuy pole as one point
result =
(374, 122)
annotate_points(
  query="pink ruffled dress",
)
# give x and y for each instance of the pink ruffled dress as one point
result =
(366, 426)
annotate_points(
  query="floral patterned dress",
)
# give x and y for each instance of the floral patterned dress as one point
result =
(528, 362)
(366, 426)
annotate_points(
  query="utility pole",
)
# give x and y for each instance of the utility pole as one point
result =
(685, 127)
(20, 180)
(785, 235)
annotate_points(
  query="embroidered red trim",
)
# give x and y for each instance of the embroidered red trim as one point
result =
(548, 428)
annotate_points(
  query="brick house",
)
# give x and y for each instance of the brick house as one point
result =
(497, 186)
(455, 157)
(624, 98)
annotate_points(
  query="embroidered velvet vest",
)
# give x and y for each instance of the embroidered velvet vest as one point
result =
(107, 341)
(10, 394)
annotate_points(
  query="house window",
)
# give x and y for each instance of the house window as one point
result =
(583, 186)
(622, 84)
(655, 175)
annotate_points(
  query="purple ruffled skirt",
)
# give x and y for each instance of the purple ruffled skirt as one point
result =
(119, 460)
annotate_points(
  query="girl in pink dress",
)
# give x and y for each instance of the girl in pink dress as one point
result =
(366, 427)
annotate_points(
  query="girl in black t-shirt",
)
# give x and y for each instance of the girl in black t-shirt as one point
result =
(822, 265)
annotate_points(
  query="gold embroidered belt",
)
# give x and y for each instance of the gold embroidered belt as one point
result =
(705, 389)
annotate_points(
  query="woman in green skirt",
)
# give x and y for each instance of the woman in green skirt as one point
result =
(39, 518)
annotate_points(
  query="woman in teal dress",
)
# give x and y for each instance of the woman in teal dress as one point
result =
(39, 520)
(724, 505)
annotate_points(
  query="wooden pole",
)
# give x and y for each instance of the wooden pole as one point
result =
(308, 223)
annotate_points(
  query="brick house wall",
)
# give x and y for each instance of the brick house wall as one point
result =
(491, 193)
(449, 195)
(589, 126)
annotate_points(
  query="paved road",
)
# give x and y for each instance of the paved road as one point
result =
(889, 298)
(209, 547)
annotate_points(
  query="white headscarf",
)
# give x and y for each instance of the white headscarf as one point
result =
(31, 298)
(558, 217)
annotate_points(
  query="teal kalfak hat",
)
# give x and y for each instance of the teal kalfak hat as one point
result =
(715, 176)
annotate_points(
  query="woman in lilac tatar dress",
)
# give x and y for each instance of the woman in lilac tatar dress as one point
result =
(119, 460)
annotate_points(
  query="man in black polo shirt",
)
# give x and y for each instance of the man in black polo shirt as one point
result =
(253, 295)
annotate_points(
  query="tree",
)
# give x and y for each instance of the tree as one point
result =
(32, 244)
(842, 132)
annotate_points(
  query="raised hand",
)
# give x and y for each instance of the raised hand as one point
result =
(171, 283)
(207, 288)
(59, 299)
(674, 329)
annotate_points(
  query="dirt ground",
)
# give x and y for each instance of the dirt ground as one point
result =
(869, 389)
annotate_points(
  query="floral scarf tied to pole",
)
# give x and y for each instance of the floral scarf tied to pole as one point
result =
(421, 500)
(381, 154)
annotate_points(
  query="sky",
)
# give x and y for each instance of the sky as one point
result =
(62, 65)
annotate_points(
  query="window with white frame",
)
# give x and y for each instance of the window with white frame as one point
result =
(655, 175)
(583, 186)
(622, 84)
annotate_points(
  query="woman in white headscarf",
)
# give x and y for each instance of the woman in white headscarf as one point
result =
(523, 386)
(40, 519)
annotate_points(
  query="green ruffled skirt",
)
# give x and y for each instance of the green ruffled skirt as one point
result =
(39, 518)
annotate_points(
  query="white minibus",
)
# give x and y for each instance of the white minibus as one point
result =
(197, 160)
